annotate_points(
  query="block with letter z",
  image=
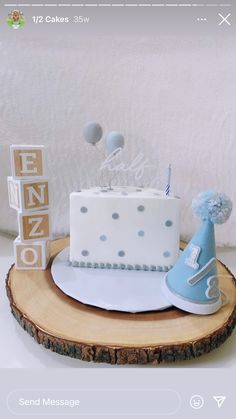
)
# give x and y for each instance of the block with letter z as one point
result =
(34, 226)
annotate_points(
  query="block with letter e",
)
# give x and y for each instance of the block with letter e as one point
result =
(34, 226)
(27, 161)
(33, 255)
(28, 195)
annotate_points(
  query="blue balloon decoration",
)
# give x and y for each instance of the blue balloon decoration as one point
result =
(92, 132)
(114, 140)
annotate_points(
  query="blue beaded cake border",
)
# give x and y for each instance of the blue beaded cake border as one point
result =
(123, 266)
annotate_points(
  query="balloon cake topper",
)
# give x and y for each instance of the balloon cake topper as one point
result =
(93, 133)
(114, 144)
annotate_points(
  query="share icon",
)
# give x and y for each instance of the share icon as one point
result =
(219, 400)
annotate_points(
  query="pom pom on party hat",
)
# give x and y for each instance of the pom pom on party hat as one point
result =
(192, 284)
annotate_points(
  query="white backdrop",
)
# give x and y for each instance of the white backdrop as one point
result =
(173, 99)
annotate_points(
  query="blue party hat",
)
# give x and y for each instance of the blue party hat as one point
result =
(192, 284)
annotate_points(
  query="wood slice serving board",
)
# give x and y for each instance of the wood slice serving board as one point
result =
(80, 331)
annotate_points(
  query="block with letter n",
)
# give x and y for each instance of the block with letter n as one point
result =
(33, 255)
(27, 161)
(34, 226)
(28, 195)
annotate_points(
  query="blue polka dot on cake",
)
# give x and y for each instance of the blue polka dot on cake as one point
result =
(141, 233)
(103, 237)
(168, 223)
(166, 254)
(115, 216)
(121, 253)
(85, 252)
(83, 210)
(140, 208)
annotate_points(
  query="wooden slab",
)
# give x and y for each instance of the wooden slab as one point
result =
(70, 328)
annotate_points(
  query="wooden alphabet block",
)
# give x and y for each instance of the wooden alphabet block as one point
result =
(34, 226)
(13, 193)
(27, 161)
(34, 256)
(28, 195)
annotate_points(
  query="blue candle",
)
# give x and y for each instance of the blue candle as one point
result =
(167, 189)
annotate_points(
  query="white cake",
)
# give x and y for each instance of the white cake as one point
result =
(124, 228)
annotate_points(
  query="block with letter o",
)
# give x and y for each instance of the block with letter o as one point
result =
(34, 255)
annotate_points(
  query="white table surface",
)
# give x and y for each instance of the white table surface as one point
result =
(19, 350)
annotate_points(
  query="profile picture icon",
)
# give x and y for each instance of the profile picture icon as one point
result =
(16, 19)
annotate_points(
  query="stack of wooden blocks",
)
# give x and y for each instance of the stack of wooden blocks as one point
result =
(28, 193)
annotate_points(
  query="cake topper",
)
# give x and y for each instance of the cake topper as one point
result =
(113, 157)
(192, 284)
(137, 166)
(114, 143)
